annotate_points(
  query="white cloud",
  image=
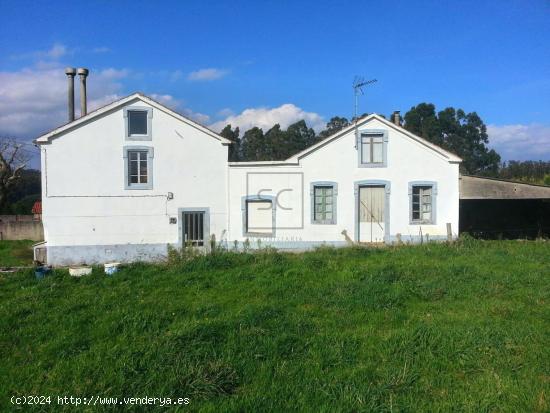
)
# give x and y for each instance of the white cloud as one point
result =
(34, 100)
(225, 112)
(55, 52)
(177, 105)
(113, 74)
(175, 75)
(265, 118)
(58, 50)
(520, 142)
(167, 100)
(201, 118)
(207, 74)
(101, 50)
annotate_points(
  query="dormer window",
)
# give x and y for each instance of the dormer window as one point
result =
(138, 123)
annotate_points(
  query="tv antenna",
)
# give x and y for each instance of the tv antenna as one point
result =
(358, 84)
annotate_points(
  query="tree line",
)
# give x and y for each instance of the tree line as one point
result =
(464, 134)
(461, 133)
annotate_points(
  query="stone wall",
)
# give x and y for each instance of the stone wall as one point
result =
(15, 227)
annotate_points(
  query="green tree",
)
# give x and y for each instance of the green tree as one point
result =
(458, 132)
(235, 147)
(276, 145)
(536, 172)
(298, 137)
(335, 124)
(422, 121)
(252, 144)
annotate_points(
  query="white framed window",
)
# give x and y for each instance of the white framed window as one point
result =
(137, 122)
(258, 216)
(372, 148)
(323, 202)
(422, 202)
(138, 167)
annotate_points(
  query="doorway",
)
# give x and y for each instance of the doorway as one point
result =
(372, 211)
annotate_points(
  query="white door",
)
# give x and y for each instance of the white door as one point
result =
(372, 200)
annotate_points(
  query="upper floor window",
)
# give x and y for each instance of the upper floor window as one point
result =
(323, 202)
(422, 202)
(372, 148)
(138, 165)
(138, 123)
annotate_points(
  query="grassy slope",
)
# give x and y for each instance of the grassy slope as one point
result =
(432, 328)
(16, 253)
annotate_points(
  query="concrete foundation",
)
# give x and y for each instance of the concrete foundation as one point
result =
(100, 254)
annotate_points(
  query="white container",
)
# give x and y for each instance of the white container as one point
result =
(80, 271)
(111, 267)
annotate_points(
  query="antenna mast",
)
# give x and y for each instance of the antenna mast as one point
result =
(358, 84)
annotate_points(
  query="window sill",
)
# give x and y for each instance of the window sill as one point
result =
(138, 187)
(139, 138)
(372, 165)
(258, 235)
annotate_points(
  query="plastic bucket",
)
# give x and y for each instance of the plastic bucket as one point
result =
(111, 268)
(40, 272)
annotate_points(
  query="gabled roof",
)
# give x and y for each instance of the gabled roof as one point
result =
(294, 159)
(47, 137)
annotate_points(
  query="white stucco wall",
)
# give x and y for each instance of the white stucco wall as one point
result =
(408, 160)
(85, 202)
(89, 216)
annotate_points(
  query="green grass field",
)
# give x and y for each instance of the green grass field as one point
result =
(16, 253)
(433, 328)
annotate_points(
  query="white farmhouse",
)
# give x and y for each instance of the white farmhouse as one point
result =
(127, 180)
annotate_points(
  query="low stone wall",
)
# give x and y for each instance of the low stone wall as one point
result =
(15, 227)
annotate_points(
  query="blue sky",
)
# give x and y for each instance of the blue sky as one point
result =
(278, 61)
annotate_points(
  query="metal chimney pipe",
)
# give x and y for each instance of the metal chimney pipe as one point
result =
(82, 72)
(70, 72)
(396, 118)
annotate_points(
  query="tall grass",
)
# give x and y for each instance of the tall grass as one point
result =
(16, 253)
(461, 327)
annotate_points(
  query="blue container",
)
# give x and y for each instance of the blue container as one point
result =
(40, 272)
(111, 268)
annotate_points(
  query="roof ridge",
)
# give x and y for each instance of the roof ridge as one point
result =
(135, 95)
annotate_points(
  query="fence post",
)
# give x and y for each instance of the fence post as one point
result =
(449, 232)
